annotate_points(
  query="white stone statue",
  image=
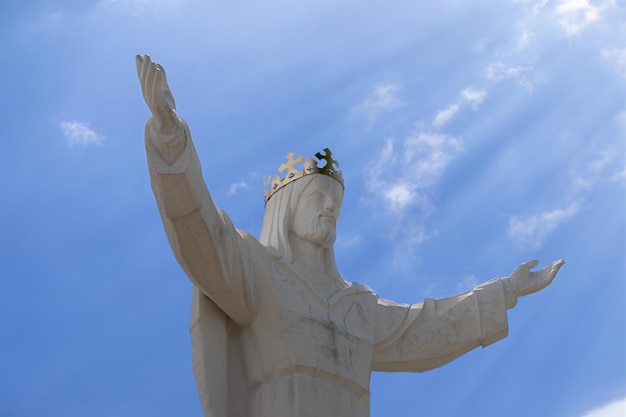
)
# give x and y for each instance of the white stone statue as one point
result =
(276, 331)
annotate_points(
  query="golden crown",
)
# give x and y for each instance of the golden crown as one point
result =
(290, 172)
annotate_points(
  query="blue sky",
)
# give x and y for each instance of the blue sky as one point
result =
(473, 136)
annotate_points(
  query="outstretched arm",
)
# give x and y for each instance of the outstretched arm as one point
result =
(428, 334)
(202, 237)
(431, 333)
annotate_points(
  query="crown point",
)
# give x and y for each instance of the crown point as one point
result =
(325, 165)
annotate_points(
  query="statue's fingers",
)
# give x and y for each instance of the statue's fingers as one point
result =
(145, 72)
(155, 86)
(547, 274)
(147, 69)
(558, 264)
(530, 264)
(166, 93)
(139, 64)
(142, 68)
(147, 88)
(141, 71)
(169, 99)
(555, 266)
(160, 67)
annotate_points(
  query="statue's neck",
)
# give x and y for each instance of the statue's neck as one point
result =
(307, 254)
(315, 263)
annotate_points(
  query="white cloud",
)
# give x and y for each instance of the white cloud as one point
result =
(79, 133)
(479, 47)
(604, 158)
(524, 39)
(399, 195)
(383, 99)
(426, 155)
(530, 232)
(612, 409)
(445, 116)
(538, 6)
(520, 74)
(575, 15)
(407, 177)
(617, 56)
(232, 190)
(470, 95)
(473, 96)
(620, 176)
(605, 164)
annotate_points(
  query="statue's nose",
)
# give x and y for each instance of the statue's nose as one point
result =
(329, 203)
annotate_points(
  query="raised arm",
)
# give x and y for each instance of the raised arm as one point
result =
(202, 237)
(157, 93)
(164, 123)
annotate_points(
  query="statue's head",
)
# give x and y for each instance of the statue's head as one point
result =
(305, 202)
(315, 215)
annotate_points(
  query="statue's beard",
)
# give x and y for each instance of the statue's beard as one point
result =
(320, 230)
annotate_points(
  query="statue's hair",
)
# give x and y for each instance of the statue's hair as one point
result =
(278, 218)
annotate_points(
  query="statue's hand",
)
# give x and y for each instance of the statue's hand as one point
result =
(524, 281)
(157, 94)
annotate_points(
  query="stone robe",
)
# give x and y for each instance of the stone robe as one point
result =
(267, 344)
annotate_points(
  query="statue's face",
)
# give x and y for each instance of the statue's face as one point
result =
(317, 211)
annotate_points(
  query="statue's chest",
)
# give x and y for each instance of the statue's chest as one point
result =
(346, 315)
(298, 331)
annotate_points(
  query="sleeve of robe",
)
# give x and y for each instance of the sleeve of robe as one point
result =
(429, 334)
(203, 239)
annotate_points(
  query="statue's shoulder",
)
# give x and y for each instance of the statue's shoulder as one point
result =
(250, 241)
(247, 236)
(354, 290)
(361, 287)
(251, 247)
